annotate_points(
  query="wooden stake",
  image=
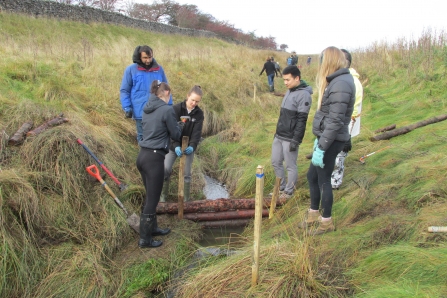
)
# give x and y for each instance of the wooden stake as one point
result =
(254, 92)
(437, 229)
(257, 224)
(181, 178)
(274, 197)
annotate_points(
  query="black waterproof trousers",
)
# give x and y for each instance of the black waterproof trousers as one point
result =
(150, 163)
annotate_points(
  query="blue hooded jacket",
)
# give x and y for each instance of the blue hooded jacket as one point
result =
(136, 84)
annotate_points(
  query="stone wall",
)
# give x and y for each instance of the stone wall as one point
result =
(38, 8)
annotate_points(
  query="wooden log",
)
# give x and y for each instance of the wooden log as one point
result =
(19, 136)
(403, 130)
(214, 205)
(224, 215)
(386, 128)
(225, 223)
(50, 123)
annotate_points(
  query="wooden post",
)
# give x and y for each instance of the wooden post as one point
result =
(274, 197)
(257, 225)
(435, 229)
(181, 178)
(254, 92)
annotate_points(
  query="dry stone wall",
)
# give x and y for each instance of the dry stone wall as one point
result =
(85, 14)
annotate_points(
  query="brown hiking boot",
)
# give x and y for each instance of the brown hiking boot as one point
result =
(311, 219)
(324, 227)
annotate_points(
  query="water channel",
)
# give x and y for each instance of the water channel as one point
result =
(223, 235)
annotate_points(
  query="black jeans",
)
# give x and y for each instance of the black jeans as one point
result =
(320, 186)
(150, 163)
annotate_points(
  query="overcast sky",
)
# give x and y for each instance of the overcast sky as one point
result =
(308, 27)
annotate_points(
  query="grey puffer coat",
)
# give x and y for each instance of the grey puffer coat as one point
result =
(332, 120)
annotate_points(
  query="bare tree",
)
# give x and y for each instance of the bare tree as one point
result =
(109, 5)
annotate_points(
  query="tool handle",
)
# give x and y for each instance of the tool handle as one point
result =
(94, 172)
(89, 152)
(99, 162)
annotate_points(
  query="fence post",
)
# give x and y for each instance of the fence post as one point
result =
(254, 92)
(274, 197)
(181, 178)
(257, 224)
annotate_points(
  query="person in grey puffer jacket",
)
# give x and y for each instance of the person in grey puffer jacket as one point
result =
(290, 128)
(330, 125)
(159, 126)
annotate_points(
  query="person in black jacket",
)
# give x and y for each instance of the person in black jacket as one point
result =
(192, 129)
(159, 127)
(330, 125)
(290, 129)
(270, 71)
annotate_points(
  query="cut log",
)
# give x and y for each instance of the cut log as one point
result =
(218, 205)
(403, 130)
(224, 215)
(225, 223)
(19, 136)
(50, 123)
(386, 128)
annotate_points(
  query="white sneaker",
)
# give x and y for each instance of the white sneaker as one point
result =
(285, 195)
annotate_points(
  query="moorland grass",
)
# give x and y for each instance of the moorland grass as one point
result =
(60, 231)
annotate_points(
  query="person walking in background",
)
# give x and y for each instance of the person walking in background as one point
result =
(159, 126)
(293, 59)
(136, 83)
(336, 97)
(290, 128)
(278, 68)
(193, 130)
(309, 59)
(270, 71)
(354, 125)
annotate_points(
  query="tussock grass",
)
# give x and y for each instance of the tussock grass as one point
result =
(60, 230)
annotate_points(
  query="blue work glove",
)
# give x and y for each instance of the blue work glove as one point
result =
(189, 150)
(317, 158)
(128, 112)
(178, 151)
(315, 144)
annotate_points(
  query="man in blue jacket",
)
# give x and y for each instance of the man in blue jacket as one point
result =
(135, 86)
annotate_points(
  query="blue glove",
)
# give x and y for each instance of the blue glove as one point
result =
(317, 158)
(178, 151)
(189, 150)
(315, 144)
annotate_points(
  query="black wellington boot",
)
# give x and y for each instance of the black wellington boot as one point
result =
(159, 232)
(147, 224)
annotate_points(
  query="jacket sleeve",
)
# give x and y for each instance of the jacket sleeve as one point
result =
(177, 110)
(358, 97)
(196, 133)
(338, 100)
(175, 132)
(302, 115)
(262, 70)
(126, 88)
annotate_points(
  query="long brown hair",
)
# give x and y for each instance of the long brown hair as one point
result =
(331, 60)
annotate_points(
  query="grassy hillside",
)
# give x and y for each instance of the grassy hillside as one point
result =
(62, 235)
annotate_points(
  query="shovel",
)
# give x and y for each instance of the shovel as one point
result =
(133, 220)
(121, 185)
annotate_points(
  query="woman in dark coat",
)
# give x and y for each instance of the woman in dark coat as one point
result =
(330, 125)
(159, 127)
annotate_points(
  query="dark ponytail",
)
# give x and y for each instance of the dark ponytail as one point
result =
(158, 87)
